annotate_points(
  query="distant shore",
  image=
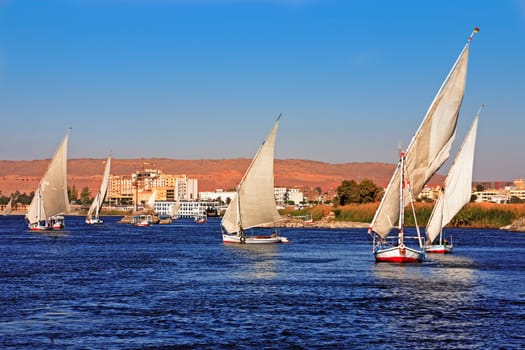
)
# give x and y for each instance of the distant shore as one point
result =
(514, 223)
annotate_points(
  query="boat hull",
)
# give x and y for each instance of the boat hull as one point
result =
(94, 221)
(142, 224)
(38, 227)
(399, 254)
(253, 239)
(439, 248)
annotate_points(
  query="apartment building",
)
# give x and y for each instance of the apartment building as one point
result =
(148, 185)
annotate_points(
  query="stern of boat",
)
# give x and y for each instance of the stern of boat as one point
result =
(439, 248)
(399, 254)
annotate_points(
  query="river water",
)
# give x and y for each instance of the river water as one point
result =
(177, 286)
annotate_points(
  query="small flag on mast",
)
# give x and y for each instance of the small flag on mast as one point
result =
(475, 31)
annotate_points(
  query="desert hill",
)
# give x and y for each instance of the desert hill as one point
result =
(212, 173)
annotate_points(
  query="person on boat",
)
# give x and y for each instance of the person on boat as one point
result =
(445, 242)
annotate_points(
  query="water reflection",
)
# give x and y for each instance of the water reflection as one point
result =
(255, 261)
(428, 295)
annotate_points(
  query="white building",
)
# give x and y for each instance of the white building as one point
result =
(491, 196)
(217, 195)
(517, 193)
(187, 209)
(284, 195)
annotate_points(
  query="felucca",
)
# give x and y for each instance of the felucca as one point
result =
(254, 203)
(93, 215)
(457, 193)
(51, 197)
(8, 207)
(426, 153)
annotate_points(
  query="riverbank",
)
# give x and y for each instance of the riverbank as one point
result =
(510, 217)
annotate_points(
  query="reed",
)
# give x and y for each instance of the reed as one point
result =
(482, 215)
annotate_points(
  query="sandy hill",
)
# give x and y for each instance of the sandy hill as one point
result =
(211, 173)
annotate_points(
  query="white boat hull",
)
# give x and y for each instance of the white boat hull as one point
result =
(94, 221)
(398, 254)
(142, 224)
(439, 248)
(38, 227)
(254, 239)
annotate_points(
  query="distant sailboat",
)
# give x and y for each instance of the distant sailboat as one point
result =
(254, 204)
(93, 215)
(143, 220)
(200, 219)
(150, 204)
(457, 193)
(426, 153)
(51, 197)
(8, 207)
(174, 213)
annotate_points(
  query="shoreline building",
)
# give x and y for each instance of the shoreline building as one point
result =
(187, 208)
(282, 195)
(147, 186)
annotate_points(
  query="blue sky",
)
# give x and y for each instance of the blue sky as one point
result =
(205, 79)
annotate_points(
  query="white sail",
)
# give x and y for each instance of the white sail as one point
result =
(8, 207)
(94, 209)
(458, 186)
(254, 204)
(175, 209)
(51, 194)
(430, 146)
(151, 201)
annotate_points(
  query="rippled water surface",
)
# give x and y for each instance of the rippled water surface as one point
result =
(177, 286)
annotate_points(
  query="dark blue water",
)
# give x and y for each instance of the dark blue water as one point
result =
(177, 286)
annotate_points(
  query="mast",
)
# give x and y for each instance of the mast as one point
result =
(430, 146)
(239, 218)
(401, 200)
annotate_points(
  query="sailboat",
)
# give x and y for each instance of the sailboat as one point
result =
(201, 218)
(8, 207)
(254, 203)
(174, 212)
(457, 192)
(51, 197)
(150, 204)
(426, 153)
(93, 215)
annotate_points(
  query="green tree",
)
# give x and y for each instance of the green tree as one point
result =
(24, 198)
(72, 194)
(480, 188)
(365, 192)
(85, 196)
(3, 199)
(369, 192)
(348, 192)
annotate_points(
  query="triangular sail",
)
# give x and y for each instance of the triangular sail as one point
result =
(458, 186)
(430, 146)
(254, 204)
(151, 201)
(51, 195)
(8, 207)
(94, 209)
(175, 209)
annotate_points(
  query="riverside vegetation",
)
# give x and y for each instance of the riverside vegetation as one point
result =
(473, 215)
